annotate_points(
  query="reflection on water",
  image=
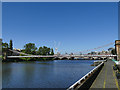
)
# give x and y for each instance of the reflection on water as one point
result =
(44, 74)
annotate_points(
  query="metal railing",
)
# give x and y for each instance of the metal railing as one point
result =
(72, 87)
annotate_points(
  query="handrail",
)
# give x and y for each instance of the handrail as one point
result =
(84, 77)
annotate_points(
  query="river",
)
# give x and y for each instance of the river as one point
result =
(44, 74)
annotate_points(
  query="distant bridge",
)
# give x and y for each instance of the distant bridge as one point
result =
(59, 56)
(63, 56)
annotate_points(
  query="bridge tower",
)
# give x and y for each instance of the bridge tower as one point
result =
(117, 49)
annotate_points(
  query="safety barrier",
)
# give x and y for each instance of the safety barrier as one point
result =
(79, 82)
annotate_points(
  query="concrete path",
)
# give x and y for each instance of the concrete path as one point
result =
(106, 78)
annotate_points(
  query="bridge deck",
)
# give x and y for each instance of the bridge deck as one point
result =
(106, 78)
(61, 56)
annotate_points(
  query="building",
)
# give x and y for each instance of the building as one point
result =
(17, 49)
(117, 49)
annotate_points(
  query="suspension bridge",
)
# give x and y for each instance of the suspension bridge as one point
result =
(74, 56)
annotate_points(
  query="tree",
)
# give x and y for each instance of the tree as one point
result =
(110, 49)
(113, 51)
(89, 53)
(52, 52)
(39, 52)
(5, 45)
(11, 45)
(30, 48)
(98, 53)
(44, 51)
(93, 53)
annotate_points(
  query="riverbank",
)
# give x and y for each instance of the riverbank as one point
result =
(42, 59)
(26, 59)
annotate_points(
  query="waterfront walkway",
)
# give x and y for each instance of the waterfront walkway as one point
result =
(106, 78)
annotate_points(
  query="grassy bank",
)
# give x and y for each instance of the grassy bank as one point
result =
(27, 59)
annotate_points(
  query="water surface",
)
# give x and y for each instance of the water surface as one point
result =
(44, 74)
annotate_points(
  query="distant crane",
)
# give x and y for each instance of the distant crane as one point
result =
(56, 46)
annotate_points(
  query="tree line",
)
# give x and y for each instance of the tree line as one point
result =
(29, 48)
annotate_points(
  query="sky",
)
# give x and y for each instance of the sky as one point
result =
(69, 26)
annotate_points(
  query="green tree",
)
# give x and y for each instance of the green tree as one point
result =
(93, 53)
(110, 49)
(4, 47)
(44, 51)
(98, 53)
(113, 51)
(52, 52)
(11, 45)
(48, 51)
(39, 52)
(30, 48)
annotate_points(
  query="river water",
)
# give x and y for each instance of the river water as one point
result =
(44, 74)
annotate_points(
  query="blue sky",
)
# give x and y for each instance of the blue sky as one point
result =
(76, 26)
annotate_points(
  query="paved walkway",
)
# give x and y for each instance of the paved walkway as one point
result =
(106, 78)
